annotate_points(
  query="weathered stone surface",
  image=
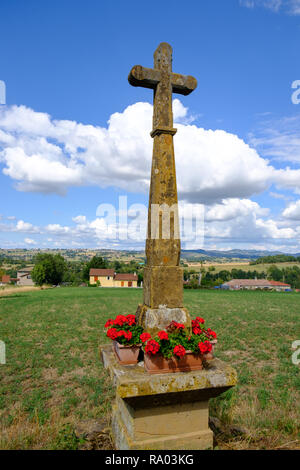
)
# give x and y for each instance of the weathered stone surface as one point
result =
(157, 289)
(199, 440)
(158, 319)
(134, 381)
(162, 286)
(166, 411)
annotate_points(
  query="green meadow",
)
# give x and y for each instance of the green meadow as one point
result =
(53, 379)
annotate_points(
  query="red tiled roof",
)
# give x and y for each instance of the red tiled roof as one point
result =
(278, 283)
(6, 279)
(249, 282)
(255, 283)
(101, 272)
(125, 277)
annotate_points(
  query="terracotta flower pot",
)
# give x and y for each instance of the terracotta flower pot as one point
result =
(209, 356)
(157, 364)
(126, 355)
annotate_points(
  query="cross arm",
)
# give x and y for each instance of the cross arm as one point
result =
(141, 76)
(183, 84)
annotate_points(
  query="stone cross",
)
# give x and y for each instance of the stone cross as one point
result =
(163, 293)
(164, 82)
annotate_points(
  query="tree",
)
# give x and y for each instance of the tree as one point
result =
(96, 262)
(275, 274)
(117, 265)
(48, 269)
(292, 276)
(38, 274)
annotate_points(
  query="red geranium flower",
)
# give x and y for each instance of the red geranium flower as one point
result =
(121, 333)
(200, 320)
(197, 331)
(211, 333)
(112, 333)
(130, 319)
(144, 337)
(127, 334)
(152, 347)
(109, 322)
(120, 320)
(205, 347)
(178, 325)
(163, 335)
(179, 350)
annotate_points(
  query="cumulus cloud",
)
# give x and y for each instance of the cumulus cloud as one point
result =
(233, 208)
(30, 241)
(232, 222)
(292, 211)
(20, 226)
(45, 155)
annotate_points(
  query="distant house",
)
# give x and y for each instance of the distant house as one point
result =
(5, 280)
(108, 278)
(104, 276)
(252, 284)
(24, 277)
(125, 280)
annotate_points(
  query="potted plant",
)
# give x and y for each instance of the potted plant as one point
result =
(125, 334)
(176, 349)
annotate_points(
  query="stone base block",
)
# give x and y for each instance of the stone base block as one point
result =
(199, 440)
(157, 282)
(164, 411)
(156, 319)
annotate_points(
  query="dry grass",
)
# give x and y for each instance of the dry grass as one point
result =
(7, 290)
(245, 266)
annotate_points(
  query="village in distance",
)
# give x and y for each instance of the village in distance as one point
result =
(231, 270)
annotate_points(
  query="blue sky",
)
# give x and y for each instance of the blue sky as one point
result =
(65, 65)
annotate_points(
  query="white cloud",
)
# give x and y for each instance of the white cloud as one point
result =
(292, 211)
(213, 167)
(79, 219)
(25, 227)
(46, 155)
(57, 229)
(291, 7)
(30, 241)
(233, 208)
(273, 5)
(294, 7)
(234, 223)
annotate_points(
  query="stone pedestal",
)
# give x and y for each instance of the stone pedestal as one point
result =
(165, 411)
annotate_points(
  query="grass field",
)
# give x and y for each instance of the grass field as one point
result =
(53, 379)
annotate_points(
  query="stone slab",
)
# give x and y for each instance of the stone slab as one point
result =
(134, 381)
